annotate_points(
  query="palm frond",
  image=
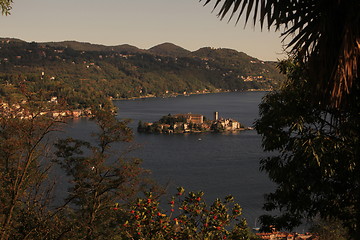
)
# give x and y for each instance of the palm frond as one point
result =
(326, 36)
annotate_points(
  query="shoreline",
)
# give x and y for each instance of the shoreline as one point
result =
(189, 94)
(86, 112)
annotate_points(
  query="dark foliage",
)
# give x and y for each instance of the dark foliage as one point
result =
(315, 160)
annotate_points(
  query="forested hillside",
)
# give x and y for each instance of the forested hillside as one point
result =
(83, 73)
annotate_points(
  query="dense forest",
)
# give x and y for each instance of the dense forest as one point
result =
(85, 74)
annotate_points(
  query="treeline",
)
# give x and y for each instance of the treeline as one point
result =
(85, 73)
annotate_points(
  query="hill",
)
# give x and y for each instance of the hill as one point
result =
(83, 73)
(169, 49)
(89, 47)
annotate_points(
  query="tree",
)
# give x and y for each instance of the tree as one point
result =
(5, 6)
(23, 165)
(189, 217)
(103, 188)
(330, 229)
(315, 154)
(99, 178)
(312, 122)
(326, 38)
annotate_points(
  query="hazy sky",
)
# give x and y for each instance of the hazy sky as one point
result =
(142, 23)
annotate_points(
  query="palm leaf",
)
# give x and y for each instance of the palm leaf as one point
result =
(249, 9)
(330, 47)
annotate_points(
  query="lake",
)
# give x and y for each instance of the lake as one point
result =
(218, 164)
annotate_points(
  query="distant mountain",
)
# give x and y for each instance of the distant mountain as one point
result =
(222, 53)
(83, 73)
(10, 39)
(164, 49)
(169, 49)
(83, 46)
(78, 46)
(127, 48)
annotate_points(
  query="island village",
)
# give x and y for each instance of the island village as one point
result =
(190, 123)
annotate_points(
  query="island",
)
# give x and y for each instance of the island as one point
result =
(190, 123)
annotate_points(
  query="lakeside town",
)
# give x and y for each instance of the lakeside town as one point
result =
(191, 123)
(17, 110)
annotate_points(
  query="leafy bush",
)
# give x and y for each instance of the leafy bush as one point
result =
(189, 217)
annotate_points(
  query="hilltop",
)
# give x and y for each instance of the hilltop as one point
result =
(169, 49)
(82, 73)
(89, 47)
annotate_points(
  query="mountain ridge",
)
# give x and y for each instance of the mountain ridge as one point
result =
(83, 72)
(164, 49)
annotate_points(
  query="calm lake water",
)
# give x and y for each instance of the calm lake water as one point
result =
(218, 164)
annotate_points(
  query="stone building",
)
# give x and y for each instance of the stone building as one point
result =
(191, 118)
